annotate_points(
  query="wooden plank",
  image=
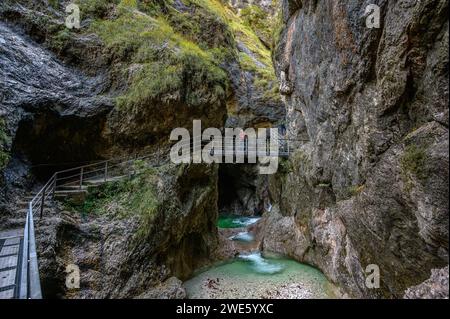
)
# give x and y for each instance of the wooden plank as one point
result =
(8, 278)
(7, 294)
(7, 262)
(11, 233)
(9, 250)
(12, 241)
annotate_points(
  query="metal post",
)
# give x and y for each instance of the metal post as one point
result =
(81, 178)
(54, 186)
(24, 272)
(42, 202)
(106, 171)
(34, 282)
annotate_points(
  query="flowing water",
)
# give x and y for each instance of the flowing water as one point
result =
(243, 237)
(252, 275)
(236, 221)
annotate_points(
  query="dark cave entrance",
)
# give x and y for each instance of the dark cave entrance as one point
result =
(242, 190)
(48, 143)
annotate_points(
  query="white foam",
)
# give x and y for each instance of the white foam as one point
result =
(243, 236)
(261, 265)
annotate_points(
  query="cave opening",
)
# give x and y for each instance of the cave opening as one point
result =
(47, 143)
(242, 191)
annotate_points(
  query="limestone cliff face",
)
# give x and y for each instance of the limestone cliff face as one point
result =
(118, 86)
(368, 183)
(137, 238)
(111, 92)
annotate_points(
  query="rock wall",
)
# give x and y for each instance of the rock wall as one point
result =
(368, 108)
(136, 242)
(72, 96)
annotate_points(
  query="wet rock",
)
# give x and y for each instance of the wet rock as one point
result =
(132, 257)
(368, 110)
(242, 190)
(170, 289)
(436, 287)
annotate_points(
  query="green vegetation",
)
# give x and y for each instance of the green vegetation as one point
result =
(60, 40)
(124, 199)
(168, 63)
(413, 161)
(300, 159)
(95, 8)
(53, 3)
(4, 141)
(285, 166)
(277, 28)
(260, 63)
(255, 17)
(167, 55)
(355, 190)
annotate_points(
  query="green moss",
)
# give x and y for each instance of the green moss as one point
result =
(355, 190)
(4, 142)
(124, 199)
(255, 17)
(278, 26)
(300, 159)
(167, 54)
(155, 7)
(59, 41)
(265, 77)
(95, 8)
(285, 166)
(413, 161)
(54, 3)
(128, 4)
(168, 62)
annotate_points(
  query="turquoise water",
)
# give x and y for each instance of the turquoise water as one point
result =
(255, 263)
(253, 276)
(236, 221)
(244, 237)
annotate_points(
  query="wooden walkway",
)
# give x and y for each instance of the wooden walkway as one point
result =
(10, 262)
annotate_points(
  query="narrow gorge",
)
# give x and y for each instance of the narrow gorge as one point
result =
(361, 186)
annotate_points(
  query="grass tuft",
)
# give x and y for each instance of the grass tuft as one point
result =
(4, 141)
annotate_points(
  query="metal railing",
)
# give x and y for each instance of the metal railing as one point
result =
(68, 181)
(76, 180)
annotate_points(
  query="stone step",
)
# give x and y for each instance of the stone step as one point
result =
(71, 188)
(65, 193)
(90, 182)
(99, 181)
